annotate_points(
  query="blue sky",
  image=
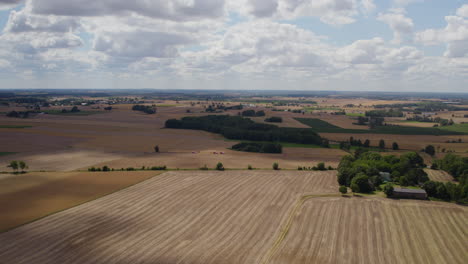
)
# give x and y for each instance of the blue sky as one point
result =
(407, 45)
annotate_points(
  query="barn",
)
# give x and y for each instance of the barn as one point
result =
(409, 193)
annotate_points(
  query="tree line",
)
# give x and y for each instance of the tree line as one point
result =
(239, 128)
(258, 147)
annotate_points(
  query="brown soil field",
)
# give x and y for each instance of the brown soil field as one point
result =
(439, 175)
(26, 197)
(374, 230)
(177, 217)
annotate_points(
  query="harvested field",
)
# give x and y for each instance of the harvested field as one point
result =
(439, 175)
(177, 217)
(26, 197)
(373, 230)
(291, 158)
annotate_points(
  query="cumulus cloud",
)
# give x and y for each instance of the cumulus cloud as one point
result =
(334, 12)
(139, 44)
(454, 35)
(463, 11)
(170, 9)
(8, 4)
(23, 21)
(401, 25)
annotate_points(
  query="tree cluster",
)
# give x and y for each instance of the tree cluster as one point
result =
(145, 109)
(258, 147)
(384, 113)
(251, 112)
(274, 119)
(239, 128)
(362, 171)
(18, 165)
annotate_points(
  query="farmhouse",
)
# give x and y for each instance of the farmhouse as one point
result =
(409, 193)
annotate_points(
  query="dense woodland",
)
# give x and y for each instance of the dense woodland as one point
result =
(258, 147)
(236, 127)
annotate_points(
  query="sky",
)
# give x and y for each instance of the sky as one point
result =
(344, 45)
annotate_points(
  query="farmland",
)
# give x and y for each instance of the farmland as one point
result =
(241, 217)
(191, 217)
(59, 211)
(362, 230)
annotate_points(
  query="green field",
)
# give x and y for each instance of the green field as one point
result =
(321, 126)
(355, 114)
(461, 128)
(13, 126)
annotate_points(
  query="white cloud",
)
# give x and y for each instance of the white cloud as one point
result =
(8, 4)
(401, 25)
(170, 9)
(454, 35)
(139, 44)
(463, 11)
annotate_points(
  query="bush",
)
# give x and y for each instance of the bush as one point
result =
(388, 189)
(249, 167)
(219, 166)
(204, 167)
(343, 189)
(276, 166)
(130, 169)
(395, 146)
(105, 168)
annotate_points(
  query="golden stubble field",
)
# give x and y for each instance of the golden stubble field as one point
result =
(242, 217)
(26, 197)
(375, 230)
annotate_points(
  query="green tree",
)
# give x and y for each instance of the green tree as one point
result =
(249, 167)
(219, 166)
(343, 189)
(366, 143)
(382, 144)
(388, 189)
(14, 165)
(321, 166)
(22, 165)
(276, 166)
(362, 183)
(395, 146)
(430, 150)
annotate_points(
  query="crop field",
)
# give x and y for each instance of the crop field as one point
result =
(176, 217)
(242, 217)
(26, 197)
(363, 230)
(439, 175)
